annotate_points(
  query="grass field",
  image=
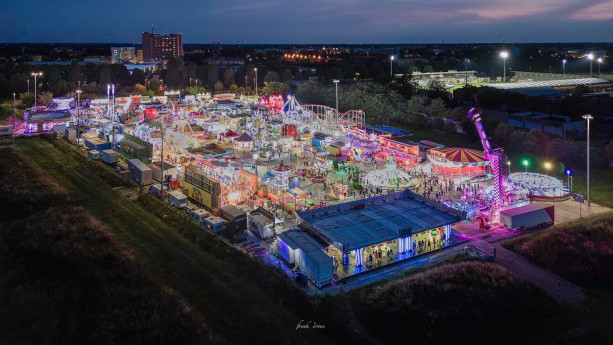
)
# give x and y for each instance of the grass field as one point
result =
(240, 310)
(66, 279)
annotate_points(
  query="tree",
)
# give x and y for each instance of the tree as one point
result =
(405, 85)
(287, 75)
(428, 69)
(334, 73)
(155, 85)
(413, 69)
(26, 99)
(437, 123)
(271, 76)
(74, 72)
(503, 133)
(580, 90)
(212, 77)
(44, 98)
(218, 86)
(417, 105)
(436, 89)
(173, 74)
(437, 108)
(450, 127)
(228, 76)
(275, 87)
(104, 77)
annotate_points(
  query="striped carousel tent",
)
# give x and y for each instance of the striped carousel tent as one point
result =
(458, 160)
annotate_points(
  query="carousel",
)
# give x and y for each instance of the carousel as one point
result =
(537, 186)
(458, 161)
(390, 177)
(281, 173)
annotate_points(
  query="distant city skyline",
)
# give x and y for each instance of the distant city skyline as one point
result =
(316, 21)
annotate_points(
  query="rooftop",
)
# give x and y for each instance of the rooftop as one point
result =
(362, 223)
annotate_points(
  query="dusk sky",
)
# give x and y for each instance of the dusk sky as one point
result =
(315, 21)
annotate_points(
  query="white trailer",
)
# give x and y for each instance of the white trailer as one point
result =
(177, 199)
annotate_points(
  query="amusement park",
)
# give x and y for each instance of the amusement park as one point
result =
(304, 187)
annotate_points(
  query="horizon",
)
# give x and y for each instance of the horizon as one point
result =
(274, 21)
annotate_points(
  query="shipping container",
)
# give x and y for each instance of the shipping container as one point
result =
(177, 199)
(528, 217)
(70, 134)
(97, 144)
(155, 189)
(213, 224)
(93, 154)
(6, 131)
(140, 171)
(170, 171)
(109, 156)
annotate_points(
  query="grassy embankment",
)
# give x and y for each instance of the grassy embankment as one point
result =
(228, 297)
(582, 252)
(66, 279)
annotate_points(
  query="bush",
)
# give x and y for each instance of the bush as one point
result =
(445, 303)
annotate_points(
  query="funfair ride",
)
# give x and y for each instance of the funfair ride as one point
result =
(494, 156)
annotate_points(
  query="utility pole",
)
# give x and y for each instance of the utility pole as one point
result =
(162, 160)
(14, 111)
(78, 113)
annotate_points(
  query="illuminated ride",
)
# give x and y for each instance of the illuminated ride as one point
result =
(274, 103)
(495, 157)
(390, 177)
(327, 119)
(458, 161)
(537, 187)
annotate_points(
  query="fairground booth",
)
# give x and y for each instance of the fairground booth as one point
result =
(458, 161)
(365, 234)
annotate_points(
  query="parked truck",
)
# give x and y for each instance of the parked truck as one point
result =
(528, 217)
(93, 154)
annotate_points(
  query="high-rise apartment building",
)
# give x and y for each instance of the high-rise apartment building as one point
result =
(159, 47)
(123, 54)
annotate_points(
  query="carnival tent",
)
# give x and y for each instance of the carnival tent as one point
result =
(458, 160)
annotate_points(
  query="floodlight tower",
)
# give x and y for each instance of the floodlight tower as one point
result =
(494, 156)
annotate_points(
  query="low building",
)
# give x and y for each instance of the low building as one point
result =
(559, 125)
(401, 224)
(262, 223)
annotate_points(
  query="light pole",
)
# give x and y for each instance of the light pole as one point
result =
(509, 164)
(14, 111)
(564, 66)
(336, 81)
(466, 73)
(568, 173)
(599, 62)
(590, 56)
(504, 56)
(588, 117)
(525, 163)
(547, 167)
(256, 81)
(391, 66)
(28, 85)
(78, 116)
(35, 74)
(108, 100)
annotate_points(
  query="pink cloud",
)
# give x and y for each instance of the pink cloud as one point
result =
(601, 11)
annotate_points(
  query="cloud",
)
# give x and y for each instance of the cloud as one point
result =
(600, 11)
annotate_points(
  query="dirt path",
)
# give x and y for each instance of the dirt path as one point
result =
(559, 288)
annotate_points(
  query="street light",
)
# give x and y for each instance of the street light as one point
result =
(336, 81)
(391, 67)
(590, 56)
(588, 117)
(35, 74)
(547, 167)
(599, 62)
(509, 164)
(504, 56)
(256, 81)
(525, 163)
(14, 111)
(564, 66)
(466, 74)
(78, 116)
(568, 173)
